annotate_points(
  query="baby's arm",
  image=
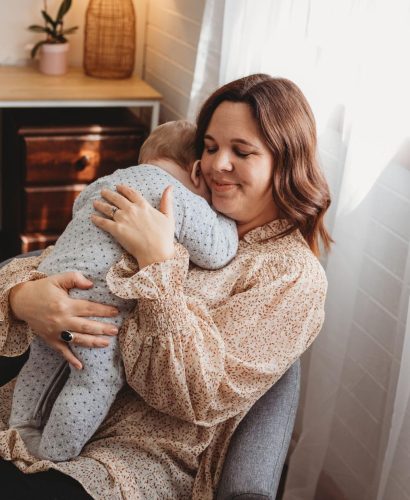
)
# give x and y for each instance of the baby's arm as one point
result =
(210, 238)
(91, 192)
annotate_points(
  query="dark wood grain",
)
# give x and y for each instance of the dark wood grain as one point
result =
(49, 156)
(82, 158)
(49, 208)
(36, 241)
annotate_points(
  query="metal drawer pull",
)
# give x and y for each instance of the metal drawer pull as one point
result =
(82, 162)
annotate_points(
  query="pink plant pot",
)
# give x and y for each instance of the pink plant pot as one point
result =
(53, 58)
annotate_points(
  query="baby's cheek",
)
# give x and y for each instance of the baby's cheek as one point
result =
(205, 191)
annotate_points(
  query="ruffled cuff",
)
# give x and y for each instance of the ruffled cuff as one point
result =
(16, 272)
(125, 280)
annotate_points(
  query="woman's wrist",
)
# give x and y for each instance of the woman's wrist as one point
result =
(144, 261)
(151, 257)
(13, 299)
(127, 280)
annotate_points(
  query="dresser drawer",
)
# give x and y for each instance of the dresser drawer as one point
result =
(36, 241)
(48, 157)
(49, 208)
(75, 159)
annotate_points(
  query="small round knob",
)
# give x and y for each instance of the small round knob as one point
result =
(82, 162)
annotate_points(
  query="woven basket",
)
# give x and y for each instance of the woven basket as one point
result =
(109, 39)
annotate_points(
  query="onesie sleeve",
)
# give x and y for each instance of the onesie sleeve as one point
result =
(15, 335)
(205, 365)
(89, 193)
(210, 238)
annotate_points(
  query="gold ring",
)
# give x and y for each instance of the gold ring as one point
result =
(113, 211)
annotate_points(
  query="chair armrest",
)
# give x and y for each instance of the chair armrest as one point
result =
(258, 448)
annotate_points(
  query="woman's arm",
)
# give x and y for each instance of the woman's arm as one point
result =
(206, 365)
(31, 302)
(199, 364)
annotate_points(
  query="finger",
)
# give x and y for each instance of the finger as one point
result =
(83, 340)
(91, 327)
(68, 355)
(166, 205)
(84, 308)
(131, 194)
(104, 208)
(107, 225)
(72, 279)
(115, 198)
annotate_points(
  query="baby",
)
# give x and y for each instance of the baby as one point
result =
(56, 415)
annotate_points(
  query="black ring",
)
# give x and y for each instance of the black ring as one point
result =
(66, 336)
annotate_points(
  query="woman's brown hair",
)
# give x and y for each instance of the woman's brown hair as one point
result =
(286, 121)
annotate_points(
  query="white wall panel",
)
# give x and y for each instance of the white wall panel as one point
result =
(170, 52)
(182, 53)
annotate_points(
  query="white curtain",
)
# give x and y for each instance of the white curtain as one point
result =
(351, 59)
(206, 74)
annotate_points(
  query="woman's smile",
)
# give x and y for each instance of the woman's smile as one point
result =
(222, 186)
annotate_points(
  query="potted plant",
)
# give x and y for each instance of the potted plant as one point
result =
(54, 49)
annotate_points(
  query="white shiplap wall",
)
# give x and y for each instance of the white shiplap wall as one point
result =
(371, 364)
(172, 34)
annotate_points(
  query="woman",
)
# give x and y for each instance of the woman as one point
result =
(202, 346)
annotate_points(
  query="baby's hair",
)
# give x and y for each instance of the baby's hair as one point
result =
(174, 140)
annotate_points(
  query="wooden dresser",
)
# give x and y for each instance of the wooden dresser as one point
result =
(49, 156)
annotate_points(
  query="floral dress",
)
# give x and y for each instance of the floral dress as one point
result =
(200, 348)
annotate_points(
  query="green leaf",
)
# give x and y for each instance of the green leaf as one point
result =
(47, 18)
(69, 31)
(37, 29)
(51, 32)
(36, 47)
(64, 8)
(54, 29)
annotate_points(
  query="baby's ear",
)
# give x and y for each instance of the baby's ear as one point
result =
(196, 173)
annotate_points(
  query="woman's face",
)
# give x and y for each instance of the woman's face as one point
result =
(237, 166)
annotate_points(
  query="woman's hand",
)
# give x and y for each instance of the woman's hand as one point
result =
(146, 233)
(48, 309)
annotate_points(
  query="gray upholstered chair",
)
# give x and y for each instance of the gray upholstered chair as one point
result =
(258, 449)
(257, 452)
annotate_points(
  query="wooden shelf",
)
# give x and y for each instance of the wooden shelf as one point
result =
(27, 84)
(25, 87)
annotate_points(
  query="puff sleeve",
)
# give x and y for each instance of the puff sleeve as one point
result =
(15, 336)
(206, 364)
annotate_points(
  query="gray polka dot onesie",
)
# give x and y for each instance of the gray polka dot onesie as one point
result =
(57, 409)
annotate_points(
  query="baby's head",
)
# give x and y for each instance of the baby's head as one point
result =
(172, 145)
